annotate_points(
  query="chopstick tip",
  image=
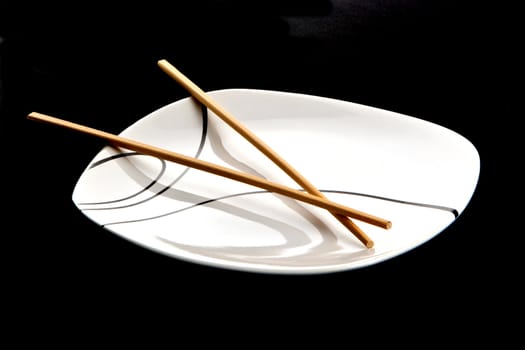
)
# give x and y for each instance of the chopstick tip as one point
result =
(33, 115)
(162, 62)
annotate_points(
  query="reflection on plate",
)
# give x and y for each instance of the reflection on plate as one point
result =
(416, 174)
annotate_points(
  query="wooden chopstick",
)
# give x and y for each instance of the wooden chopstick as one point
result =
(209, 102)
(249, 179)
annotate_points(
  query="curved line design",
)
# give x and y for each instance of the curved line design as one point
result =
(155, 181)
(433, 206)
(122, 155)
(211, 200)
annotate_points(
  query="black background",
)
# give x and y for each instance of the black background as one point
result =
(95, 63)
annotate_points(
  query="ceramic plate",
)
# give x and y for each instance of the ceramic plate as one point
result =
(416, 174)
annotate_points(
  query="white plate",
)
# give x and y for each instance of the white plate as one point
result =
(416, 174)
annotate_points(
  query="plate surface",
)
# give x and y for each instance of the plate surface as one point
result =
(416, 174)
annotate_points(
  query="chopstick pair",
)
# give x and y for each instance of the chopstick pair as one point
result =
(207, 100)
(312, 195)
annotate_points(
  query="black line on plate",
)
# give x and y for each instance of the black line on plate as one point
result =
(431, 206)
(120, 155)
(155, 181)
(438, 207)
(211, 200)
